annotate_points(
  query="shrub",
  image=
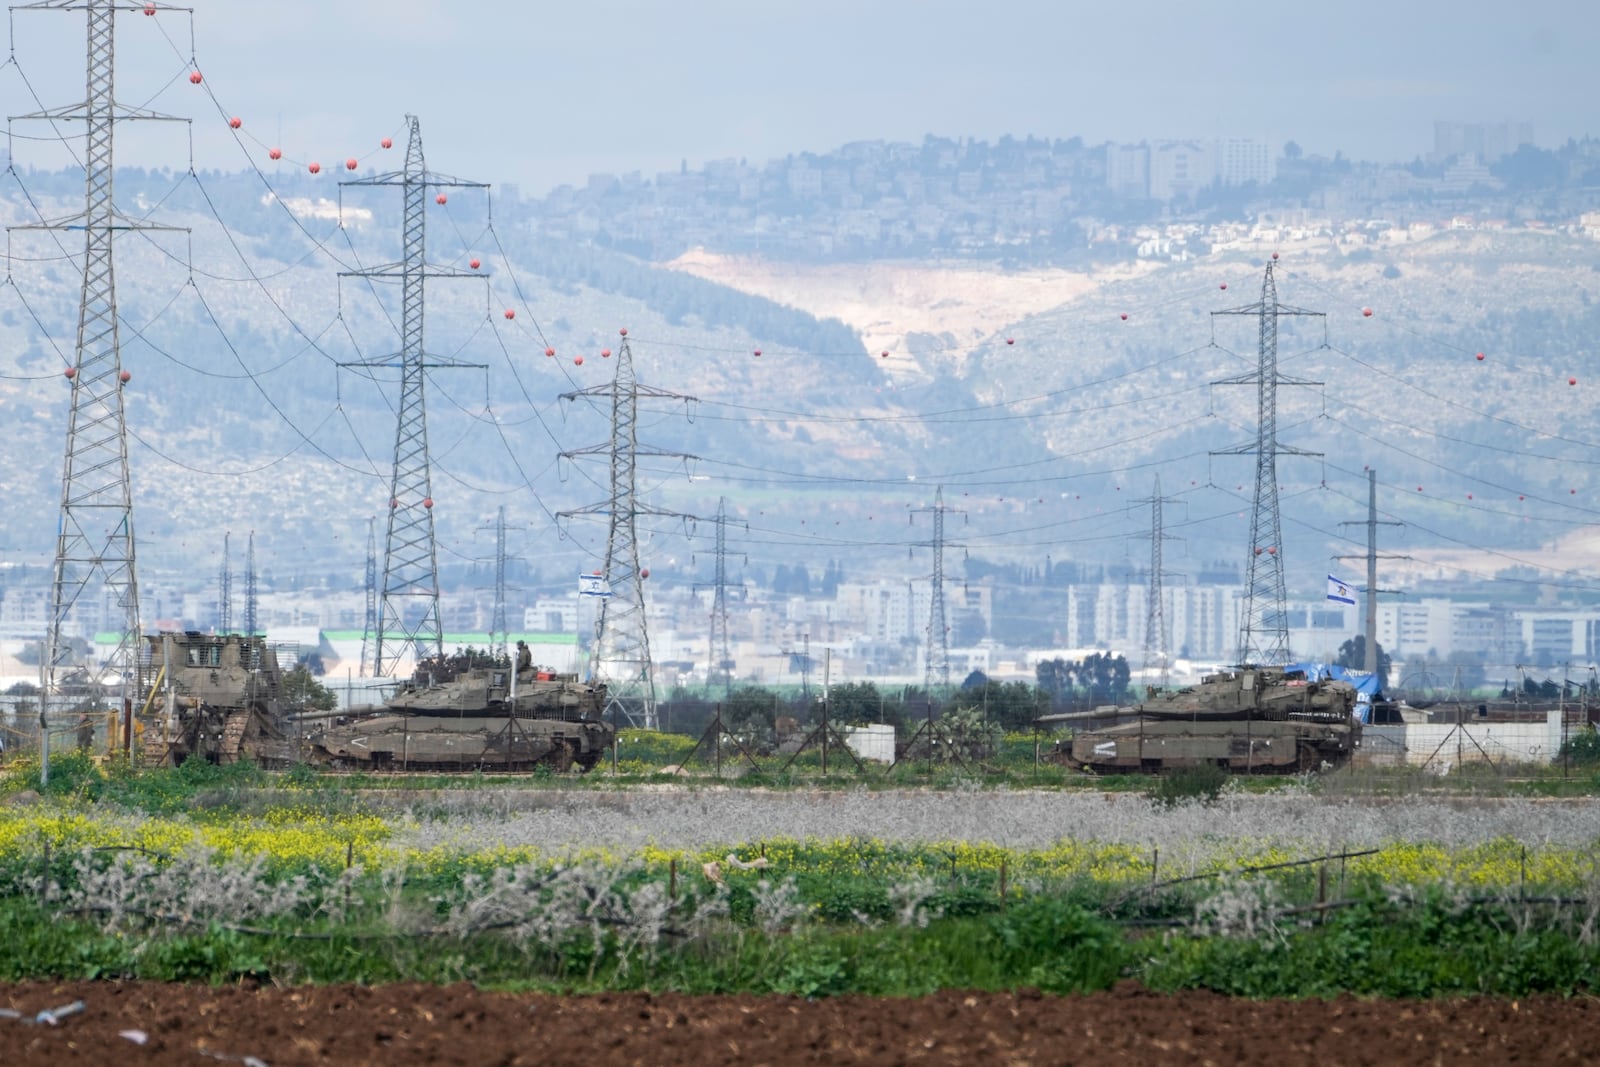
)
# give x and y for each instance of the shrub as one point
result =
(1203, 782)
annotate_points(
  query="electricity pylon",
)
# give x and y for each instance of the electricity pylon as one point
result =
(1264, 625)
(95, 541)
(411, 556)
(1157, 632)
(621, 653)
(937, 660)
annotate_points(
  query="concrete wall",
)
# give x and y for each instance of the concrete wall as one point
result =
(1442, 746)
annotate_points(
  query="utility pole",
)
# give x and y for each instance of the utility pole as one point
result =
(225, 589)
(95, 541)
(1157, 636)
(411, 555)
(369, 625)
(937, 661)
(622, 640)
(1264, 627)
(1370, 658)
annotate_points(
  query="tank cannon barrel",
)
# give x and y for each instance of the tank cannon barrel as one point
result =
(1107, 712)
(336, 713)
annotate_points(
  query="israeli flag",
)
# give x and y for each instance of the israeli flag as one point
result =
(593, 585)
(1340, 593)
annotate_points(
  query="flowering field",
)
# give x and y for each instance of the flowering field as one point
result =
(803, 891)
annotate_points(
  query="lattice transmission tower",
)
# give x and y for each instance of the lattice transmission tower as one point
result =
(1264, 623)
(408, 609)
(936, 663)
(225, 588)
(1157, 628)
(621, 652)
(95, 545)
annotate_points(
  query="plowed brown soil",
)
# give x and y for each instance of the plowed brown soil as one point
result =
(134, 1023)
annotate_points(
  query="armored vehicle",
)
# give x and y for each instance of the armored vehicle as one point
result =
(216, 697)
(457, 713)
(1252, 720)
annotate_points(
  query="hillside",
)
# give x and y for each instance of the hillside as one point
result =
(1043, 412)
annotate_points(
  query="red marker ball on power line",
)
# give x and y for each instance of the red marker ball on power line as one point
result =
(605, 353)
(71, 373)
(275, 153)
(577, 361)
(387, 142)
(1480, 357)
(194, 77)
(549, 352)
(1366, 313)
(474, 264)
(1224, 285)
(622, 332)
(440, 199)
(315, 168)
(758, 353)
(125, 377)
(510, 314)
(236, 122)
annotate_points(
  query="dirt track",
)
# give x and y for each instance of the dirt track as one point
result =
(459, 1025)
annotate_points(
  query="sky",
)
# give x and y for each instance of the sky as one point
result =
(538, 94)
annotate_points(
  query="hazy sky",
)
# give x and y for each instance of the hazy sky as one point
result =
(540, 94)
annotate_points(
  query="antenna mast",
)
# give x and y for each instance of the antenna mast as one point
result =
(250, 587)
(411, 556)
(721, 664)
(1157, 635)
(369, 626)
(225, 589)
(497, 625)
(1264, 625)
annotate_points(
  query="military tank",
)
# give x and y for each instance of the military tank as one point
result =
(460, 713)
(1251, 720)
(216, 697)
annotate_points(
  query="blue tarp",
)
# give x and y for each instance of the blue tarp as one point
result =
(1367, 689)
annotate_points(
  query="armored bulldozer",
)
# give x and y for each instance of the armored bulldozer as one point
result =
(1253, 720)
(216, 697)
(458, 713)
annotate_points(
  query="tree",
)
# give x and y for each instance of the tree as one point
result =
(301, 689)
(1353, 654)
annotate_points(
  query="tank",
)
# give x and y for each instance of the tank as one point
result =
(216, 697)
(1253, 720)
(458, 713)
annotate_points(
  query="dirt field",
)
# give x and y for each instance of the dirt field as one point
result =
(149, 1023)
